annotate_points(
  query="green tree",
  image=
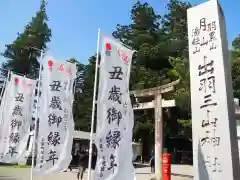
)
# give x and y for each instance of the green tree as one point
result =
(151, 65)
(23, 53)
(182, 97)
(83, 100)
(145, 35)
(175, 25)
(235, 60)
(156, 39)
(181, 71)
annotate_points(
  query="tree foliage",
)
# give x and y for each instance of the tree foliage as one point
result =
(23, 53)
(235, 60)
(83, 99)
(161, 44)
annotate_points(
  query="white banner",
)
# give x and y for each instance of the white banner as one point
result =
(16, 115)
(56, 125)
(114, 114)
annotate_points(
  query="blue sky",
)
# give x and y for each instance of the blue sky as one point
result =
(74, 23)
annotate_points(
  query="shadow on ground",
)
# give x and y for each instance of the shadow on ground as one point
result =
(137, 173)
(181, 175)
(173, 174)
(138, 165)
(8, 178)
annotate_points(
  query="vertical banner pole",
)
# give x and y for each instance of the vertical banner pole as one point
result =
(74, 84)
(93, 108)
(36, 120)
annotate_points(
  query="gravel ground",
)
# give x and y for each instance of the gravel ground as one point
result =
(179, 172)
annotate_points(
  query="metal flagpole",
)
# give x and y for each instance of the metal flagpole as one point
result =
(74, 84)
(93, 107)
(36, 120)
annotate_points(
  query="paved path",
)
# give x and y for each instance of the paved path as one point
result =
(179, 172)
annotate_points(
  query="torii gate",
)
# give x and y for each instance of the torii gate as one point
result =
(158, 103)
